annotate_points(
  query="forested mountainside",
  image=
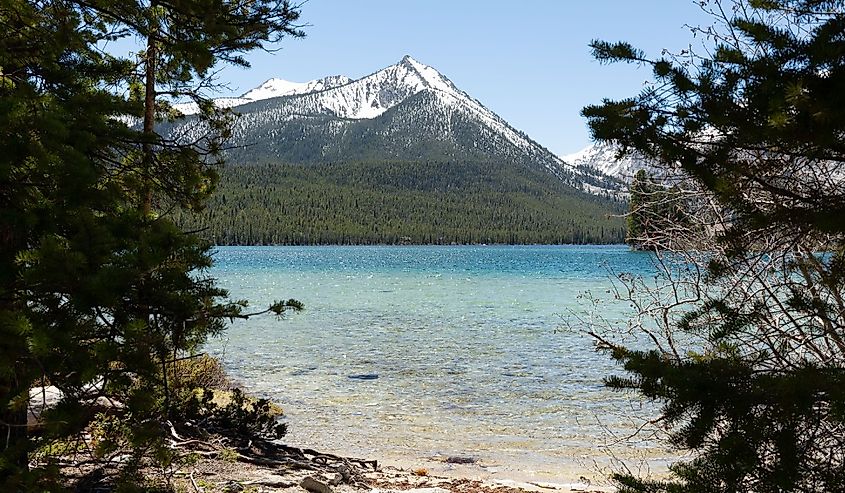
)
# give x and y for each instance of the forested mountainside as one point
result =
(401, 155)
(421, 202)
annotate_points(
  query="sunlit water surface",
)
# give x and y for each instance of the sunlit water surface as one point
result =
(459, 351)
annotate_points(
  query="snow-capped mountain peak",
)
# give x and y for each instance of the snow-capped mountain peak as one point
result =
(407, 110)
(367, 97)
(273, 88)
(430, 76)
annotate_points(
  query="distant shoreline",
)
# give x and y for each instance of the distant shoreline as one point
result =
(421, 244)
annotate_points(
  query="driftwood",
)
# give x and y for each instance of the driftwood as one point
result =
(269, 484)
(194, 438)
(204, 438)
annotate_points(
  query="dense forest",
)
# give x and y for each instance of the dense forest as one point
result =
(401, 202)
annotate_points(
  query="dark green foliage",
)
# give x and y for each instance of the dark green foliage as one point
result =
(279, 307)
(768, 422)
(99, 290)
(425, 202)
(758, 126)
(241, 415)
(739, 122)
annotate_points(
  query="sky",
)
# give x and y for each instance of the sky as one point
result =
(528, 61)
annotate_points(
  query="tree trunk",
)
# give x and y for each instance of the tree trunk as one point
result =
(149, 123)
(14, 441)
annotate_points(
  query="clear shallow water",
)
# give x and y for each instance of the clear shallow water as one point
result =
(466, 344)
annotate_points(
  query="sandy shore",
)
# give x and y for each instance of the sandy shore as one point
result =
(569, 479)
(218, 475)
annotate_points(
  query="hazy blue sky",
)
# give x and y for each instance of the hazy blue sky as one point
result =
(528, 61)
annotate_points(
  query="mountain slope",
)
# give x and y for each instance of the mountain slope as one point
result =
(394, 132)
(271, 88)
(407, 110)
(603, 158)
(424, 202)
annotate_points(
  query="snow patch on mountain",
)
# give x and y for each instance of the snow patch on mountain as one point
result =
(271, 88)
(274, 88)
(603, 158)
(192, 108)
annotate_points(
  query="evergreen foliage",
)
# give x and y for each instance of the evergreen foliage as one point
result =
(422, 202)
(99, 290)
(758, 126)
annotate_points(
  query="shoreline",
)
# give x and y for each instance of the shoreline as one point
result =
(582, 473)
(575, 475)
(272, 245)
(503, 475)
(220, 464)
(214, 474)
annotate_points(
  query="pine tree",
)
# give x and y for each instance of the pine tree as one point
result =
(757, 126)
(99, 289)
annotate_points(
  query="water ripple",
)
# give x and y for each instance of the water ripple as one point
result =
(419, 351)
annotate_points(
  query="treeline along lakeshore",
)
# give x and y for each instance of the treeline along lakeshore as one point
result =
(392, 202)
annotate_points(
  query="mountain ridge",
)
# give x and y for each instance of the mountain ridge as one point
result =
(604, 158)
(399, 155)
(322, 115)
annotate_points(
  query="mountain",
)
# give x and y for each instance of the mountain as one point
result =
(408, 135)
(405, 111)
(603, 159)
(271, 88)
(274, 88)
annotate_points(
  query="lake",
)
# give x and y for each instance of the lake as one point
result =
(411, 354)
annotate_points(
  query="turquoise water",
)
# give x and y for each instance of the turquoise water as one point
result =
(414, 353)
